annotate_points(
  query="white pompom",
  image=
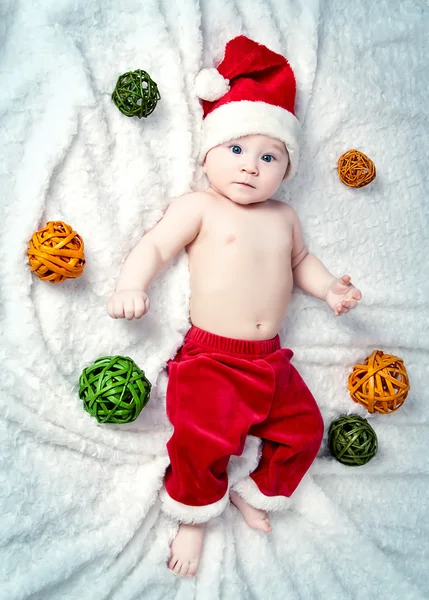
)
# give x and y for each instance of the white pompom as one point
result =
(210, 85)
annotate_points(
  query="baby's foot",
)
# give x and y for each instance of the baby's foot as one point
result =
(186, 550)
(255, 518)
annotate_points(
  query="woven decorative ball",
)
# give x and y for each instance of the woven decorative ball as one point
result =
(114, 389)
(355, 169)
(55, 252)
(136, 94)
(352, 440)
(380, 384)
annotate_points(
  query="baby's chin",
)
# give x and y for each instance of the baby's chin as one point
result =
(245, 199)
(244, 196)
(239, 194)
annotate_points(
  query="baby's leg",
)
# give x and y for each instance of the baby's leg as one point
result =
(255, 518)
(291, 434)
(186, 549)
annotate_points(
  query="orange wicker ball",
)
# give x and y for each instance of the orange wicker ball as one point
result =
(55, 252)
(355, 169)
(380, 384)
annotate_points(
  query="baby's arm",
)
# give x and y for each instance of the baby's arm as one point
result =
(310, 275)
(180, 225)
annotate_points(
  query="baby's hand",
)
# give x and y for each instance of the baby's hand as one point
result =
(128, 304)
(342, 296)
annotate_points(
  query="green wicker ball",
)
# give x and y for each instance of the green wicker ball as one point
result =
(352, 440)
(114, 389)
(136, 94)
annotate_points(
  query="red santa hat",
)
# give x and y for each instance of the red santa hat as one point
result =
(252, 91)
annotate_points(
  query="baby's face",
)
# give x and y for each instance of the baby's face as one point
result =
(247, 170)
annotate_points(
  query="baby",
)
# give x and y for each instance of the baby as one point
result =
(231, 378)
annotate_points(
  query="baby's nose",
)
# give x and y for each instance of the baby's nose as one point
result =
(250, 167)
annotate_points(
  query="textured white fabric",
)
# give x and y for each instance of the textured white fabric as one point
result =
(80, 511)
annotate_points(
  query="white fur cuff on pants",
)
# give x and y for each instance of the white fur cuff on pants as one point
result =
(192, 514)
(249, 491)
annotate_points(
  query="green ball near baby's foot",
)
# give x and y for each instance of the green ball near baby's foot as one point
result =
(352, 440)
(114, 389)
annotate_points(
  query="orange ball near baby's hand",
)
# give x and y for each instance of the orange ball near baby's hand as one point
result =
(56, 252)
(380, 383)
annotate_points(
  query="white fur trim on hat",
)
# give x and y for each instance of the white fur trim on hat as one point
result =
(249, 491)
(191, 514)
(211, 85)
(237, 119)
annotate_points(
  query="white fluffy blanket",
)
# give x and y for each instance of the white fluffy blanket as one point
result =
(80, 515)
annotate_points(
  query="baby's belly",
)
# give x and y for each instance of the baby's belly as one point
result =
(247, 304)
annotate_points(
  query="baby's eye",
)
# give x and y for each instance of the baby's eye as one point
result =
(268, 158)
(236, 149)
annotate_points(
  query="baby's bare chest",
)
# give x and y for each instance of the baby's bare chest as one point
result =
(248, 238)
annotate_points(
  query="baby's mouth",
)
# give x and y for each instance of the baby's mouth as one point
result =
(246, 184)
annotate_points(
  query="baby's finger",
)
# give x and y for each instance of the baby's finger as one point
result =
(357, 294)
(118, 309)
(139, 308)
(110, 311)
(147, 303)
(129, 308)
(341, 285)
(338, 310)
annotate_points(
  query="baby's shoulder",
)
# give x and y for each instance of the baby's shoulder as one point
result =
(204, 203)
(192, 202)
(283, 209)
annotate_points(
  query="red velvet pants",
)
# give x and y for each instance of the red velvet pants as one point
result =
(219, 391)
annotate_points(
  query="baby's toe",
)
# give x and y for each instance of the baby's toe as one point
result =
(184, 570)
(192, 570)
(172, 562)
(178, 567)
